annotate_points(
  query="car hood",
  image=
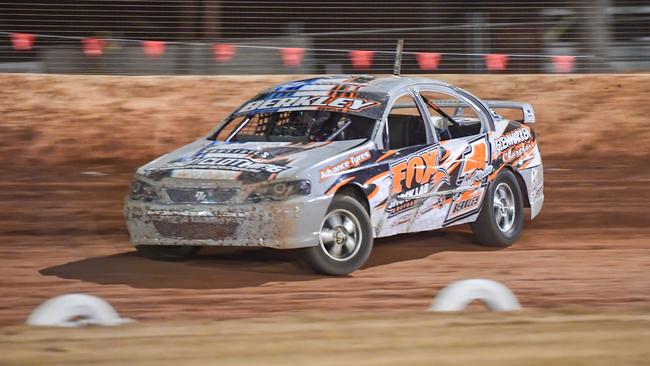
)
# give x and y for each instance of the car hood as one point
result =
(247, 161)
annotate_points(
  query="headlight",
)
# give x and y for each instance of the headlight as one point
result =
(281, 190)
(142, 191)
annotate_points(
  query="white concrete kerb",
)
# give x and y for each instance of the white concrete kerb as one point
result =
(459, 294)
(75, 310)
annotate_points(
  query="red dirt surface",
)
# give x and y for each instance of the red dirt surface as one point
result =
(69, 145)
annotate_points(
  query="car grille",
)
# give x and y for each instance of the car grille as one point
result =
(201, 195)
(196, 230)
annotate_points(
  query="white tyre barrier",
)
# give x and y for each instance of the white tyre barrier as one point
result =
(74, 310)
(459, 294)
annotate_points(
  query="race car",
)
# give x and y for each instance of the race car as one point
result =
(325, 165)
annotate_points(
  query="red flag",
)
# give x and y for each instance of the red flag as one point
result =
(428, 61)
(496, 62)
(292, 57)
(564, 64)
(22, 41)
(93, 46)
(223, 52)
(153, 48)
(361, 59)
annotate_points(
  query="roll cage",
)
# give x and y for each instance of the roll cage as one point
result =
(468, 100)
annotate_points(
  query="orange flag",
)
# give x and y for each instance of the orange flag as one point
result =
(564, 64)
(292, 57)
(153, 48)
(427, 60)
(93, 46)
(361, 59)
(22, 41)
(496, 62)
(223, 52)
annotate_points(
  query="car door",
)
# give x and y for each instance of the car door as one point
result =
(413, 158)
(462, 131)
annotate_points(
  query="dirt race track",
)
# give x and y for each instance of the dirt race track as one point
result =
(69, 144)
(527, 338)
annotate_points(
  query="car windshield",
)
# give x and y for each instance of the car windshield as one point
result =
(296, 126)
(317, 113)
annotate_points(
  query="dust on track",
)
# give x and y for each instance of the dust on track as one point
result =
(69, 162)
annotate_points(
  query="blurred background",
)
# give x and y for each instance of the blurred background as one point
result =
(202, 37)
(69, 145)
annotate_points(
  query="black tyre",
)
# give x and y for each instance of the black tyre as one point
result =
(345, 239)
(502, 215)
(167, 252)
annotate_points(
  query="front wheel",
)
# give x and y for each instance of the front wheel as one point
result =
(167, 252)
(502, 215)
(345, 239)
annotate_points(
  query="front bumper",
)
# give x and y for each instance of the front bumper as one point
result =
(288, 224)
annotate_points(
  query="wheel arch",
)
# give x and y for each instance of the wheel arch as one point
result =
(355, 190)
(522, 185)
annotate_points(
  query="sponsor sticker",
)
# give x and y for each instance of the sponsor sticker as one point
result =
(417, 170)
(396, 207)
(517, 152)
(227, 163)
(258, 154)
(512, 138)
(465, 204)
(352, 104)
(351, 162)
(476, 176)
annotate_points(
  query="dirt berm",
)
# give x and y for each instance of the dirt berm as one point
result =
(69, 144)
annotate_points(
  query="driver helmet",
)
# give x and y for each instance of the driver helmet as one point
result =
(317, 120)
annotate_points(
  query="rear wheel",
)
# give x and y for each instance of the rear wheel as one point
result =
(345, 239)
(502, 215)
(167, 252)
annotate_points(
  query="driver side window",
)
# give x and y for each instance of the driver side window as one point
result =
(443, 107)
(405, 124)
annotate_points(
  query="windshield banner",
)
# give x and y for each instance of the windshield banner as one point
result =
(363, 104)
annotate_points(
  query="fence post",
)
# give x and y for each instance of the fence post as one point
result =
(478, 42)
(594, 36)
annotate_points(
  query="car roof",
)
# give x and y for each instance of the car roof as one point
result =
(353, 83)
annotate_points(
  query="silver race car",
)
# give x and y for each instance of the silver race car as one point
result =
(325, 165)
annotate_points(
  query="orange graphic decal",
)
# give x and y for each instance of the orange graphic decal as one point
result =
(416, 170)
